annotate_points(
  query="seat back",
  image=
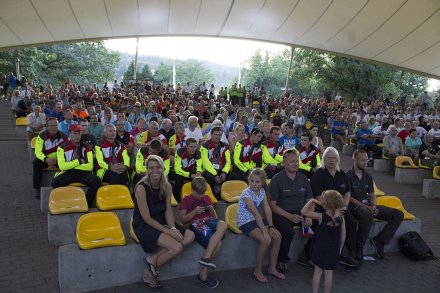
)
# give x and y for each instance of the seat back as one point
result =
(377, 191)
(132, 233)
(394, 202)
(111, 197)
(21, 121)
(420, 165)
(436, 172)
(99, 229)
(231, 218)
(231, 190)
(186, 190)
(33, 141)
(68, 199)
(405, 162)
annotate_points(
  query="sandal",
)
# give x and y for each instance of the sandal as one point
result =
(151, 267)
(154, 286)
(260, 278)
(277, 275)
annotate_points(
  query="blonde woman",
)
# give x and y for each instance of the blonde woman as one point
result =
(153, 221)
(236, 135)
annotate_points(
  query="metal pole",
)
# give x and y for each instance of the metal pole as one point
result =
(136, 59)
(290, 67)
(17, 64)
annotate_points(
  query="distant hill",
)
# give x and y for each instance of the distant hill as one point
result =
(223, 74)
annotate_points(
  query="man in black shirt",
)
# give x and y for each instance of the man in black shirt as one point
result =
(364, 209)
(289, 192)
(429, 153)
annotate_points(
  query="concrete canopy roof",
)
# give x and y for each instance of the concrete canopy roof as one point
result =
(402, 33)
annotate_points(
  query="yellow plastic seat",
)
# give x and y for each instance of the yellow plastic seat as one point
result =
(353, 141)
(377, 191)
(77, 184)
(132, 233)
(231, 190)
(255, 103)
(308, 124)
(33, 141)
(68, 199)
(21, 121)
(394, 202)
(423, 166)
(174, 202)
(380, 145)
(385, 157)
(111, 197)
(436, 172)
(99, 229)
(400, 160)
(186, 190)
(231, 218)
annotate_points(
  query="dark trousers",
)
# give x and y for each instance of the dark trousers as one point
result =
(136, 178)
(87, 178)
(210, 179)
(114, 178)
(285, 226)
(178, 185)
(364, 218)
(37, 172)
(240, 175)
(374, 149)
(272, 171)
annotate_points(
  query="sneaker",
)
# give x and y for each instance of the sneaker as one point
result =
(207, 262)
(37, 193)
(209, 283)
(348, 261)
(379, 247)
(282, 267)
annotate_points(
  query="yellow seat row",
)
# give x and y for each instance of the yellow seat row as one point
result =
(21, 121)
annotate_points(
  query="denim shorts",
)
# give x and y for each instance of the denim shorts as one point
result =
(203, 230)
(250, 226)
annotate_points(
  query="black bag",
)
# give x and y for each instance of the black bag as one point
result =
(413, 246)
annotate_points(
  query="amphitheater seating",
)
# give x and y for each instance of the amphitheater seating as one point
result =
(99, 229)
(186, 190)
(113, 197)
(405, 162)
(132, 233)
(231, 218)
(67, 199)
(231, 190)
(436, 172)
(396, 203)
(377, 191)
(21, 121)
(420, 165)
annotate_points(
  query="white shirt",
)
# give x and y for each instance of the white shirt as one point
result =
(435, 133)
(197, 134)
(420, 131)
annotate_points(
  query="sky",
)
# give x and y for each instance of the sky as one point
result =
(232, 52)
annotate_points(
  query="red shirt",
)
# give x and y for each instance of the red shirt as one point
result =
(190, 202)
(403, 134)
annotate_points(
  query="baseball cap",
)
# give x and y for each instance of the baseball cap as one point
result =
(137, 104)
(75, 127)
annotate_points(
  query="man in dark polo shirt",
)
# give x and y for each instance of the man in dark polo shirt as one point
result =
(289, 192)
(330, 177)
(364, 209)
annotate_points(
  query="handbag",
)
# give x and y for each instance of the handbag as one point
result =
(414, 247)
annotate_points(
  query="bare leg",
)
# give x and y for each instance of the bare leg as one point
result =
(215, 239)
(274, 249)
(328, 278)
(263, 245)
(204, 271)
(316, 279)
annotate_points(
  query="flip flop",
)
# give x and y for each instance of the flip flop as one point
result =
(277, 275)
(260, 278)
(151, 267)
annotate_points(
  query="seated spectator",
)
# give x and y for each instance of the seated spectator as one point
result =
(79, 112)
(113, 160)
(187, 165)
(152, 133)
(429, 153)
(412, 145)
(392, 145)
(250, 221)
(95, 127)
(299, 122)
(46, 152)
(193, 131)
(309, 159)
(152, 112)
(404, 133)
(288, 139)
(135, 115)
(339, 130)
(167, 129)
(197, 211)
(363, 207)
(140, 127)
(64, 126)
(316, 140)
(37, 122)
(108, 116)
(248, 155)
(154, 148)
(236, 135)
(87, 140)
(216, 159)
(420, 130)
(23, 107)
(177, 140)
(121, 119)
(435, 131)
(367, 142)
(75, 162)
(289, 191)
(153, 222)
(257, 119)
(218, 123)
(124, 137)
(381, 131)
(272, 152)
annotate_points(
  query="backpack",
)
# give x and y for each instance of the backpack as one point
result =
(413, 246)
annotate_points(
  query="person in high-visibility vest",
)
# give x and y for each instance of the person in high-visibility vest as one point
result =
(309, 155)
(75, 164)
(273, 152)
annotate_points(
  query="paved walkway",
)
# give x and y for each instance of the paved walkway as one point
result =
(29, 264)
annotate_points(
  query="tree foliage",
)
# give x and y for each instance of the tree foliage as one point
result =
(84, 63)
(190, 70)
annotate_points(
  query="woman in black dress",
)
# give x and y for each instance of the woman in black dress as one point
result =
(153, 221)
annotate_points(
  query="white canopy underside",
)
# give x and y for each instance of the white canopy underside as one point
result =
(402, 33)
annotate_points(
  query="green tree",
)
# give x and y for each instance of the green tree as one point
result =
(128, 74)
(145, 73)
(190, 70)
(163, 73)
